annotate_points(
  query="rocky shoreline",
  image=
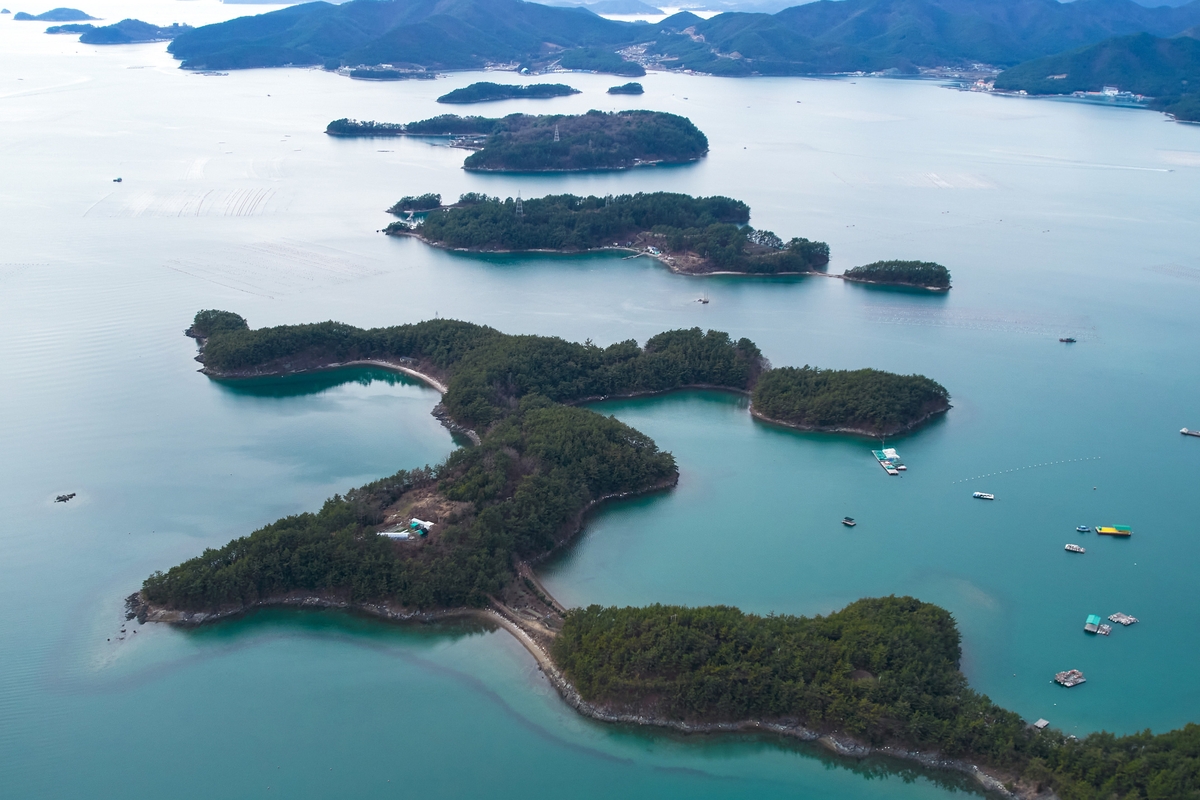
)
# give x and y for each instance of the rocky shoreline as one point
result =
(537, 637)
(890, 283)
(908, 427)
(666, 259)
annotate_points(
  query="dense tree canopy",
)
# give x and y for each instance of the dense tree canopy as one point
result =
(595, 140)
(424, 202)
(484, 91)
(868, 400)
(884, 670)
(903, 273)
(711, 228)
(527, 484)
(555, 142)
(633, 87)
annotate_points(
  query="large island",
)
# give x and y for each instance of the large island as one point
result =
(881, 675)
(554, 142)
(691, 235)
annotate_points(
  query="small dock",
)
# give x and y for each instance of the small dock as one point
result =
(885, 462)
(1071, 677)
(1093, 624)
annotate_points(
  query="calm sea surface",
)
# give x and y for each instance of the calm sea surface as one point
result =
(1056, 219)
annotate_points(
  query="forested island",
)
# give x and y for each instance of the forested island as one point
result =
(882, 674)
(54, 15)
(484, 91)
(923, 274)
(882, 403)
(596, 140)
(691, 235)
(627, 88)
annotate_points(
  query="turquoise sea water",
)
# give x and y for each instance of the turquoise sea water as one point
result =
(1056, 219)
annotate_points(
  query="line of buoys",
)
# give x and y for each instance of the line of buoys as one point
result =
(1031, 466)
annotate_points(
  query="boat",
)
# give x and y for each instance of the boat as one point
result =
(1092, 625)
(1082, 528)
(116, 180)
(885, 462)
(894, 457)
(1067, 339)
(983, 496)
(1114, 530)
(1069, 678)
(1104, 630)
(1074, 548)
(849, 522)
(1186, 432)
(1123, 619)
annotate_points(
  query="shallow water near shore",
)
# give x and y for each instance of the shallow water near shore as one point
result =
(1056, 219)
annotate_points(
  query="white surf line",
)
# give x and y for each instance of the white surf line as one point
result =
(1031, 466)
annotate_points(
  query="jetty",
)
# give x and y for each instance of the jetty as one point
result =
(884, 461)
(1071, 677)
(1093, 624)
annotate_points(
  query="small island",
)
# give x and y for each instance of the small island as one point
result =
(864, 401)
(54, 15)
(485, 91)
(921, 274)
(882, 675)
(690, 235)
(554, 143)
(627, 88)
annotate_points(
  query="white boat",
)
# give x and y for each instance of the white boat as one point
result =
(984, 496)
(1074, 548)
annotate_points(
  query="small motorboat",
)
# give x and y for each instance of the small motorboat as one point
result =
(849, 522)
(983, 496)
(116, 180)
(1067, 339)
(1083, 528)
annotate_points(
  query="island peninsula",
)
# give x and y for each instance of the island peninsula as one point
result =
(880, 676)
(691, 235)
(596, 140)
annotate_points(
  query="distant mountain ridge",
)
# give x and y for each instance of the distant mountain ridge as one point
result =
(1141, 63)
(827, 36)
(433, 34)
(849, 35)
